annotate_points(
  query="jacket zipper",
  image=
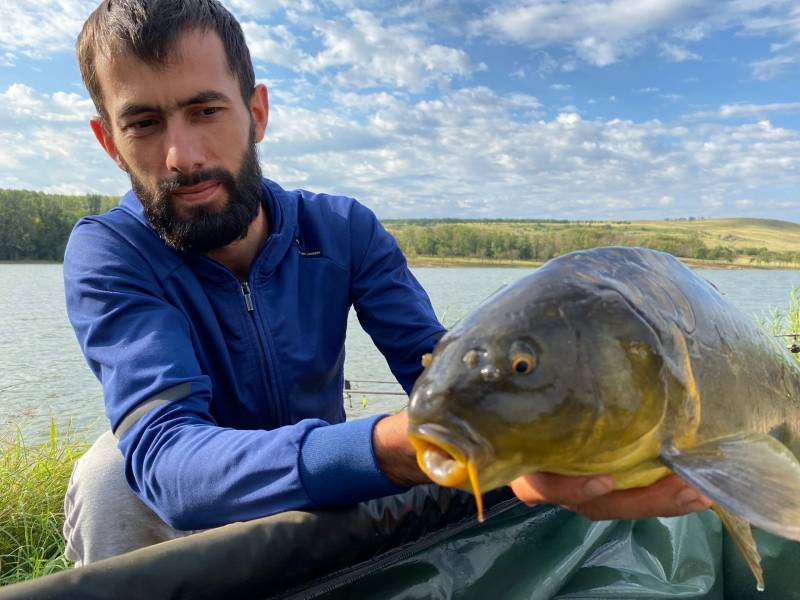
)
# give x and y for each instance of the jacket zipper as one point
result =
(248, 296)
(265, 366)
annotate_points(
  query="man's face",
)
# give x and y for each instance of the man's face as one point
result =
(187, 140)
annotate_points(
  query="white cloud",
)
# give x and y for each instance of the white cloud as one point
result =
(676, 53)
(745, 110)
(771, 68)
(474, 152)
(600, 32)
(63, 157)
(265, 8)
(692, 33)
(713, 202)
(23, 101)
(749, 110)
(273, 44)
(568, 119)
(43, 27)
(47, 144)
(767, 17)
(365, 53)
(469, 152)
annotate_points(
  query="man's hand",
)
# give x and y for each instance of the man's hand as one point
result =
(593, 497)
(395, 454)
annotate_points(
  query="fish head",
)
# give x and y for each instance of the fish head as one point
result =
(548, 376)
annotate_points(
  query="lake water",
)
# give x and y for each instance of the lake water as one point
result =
(43, 374)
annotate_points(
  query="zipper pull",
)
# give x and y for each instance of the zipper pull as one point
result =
(248, 297)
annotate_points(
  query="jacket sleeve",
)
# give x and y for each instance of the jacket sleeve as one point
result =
(390, 303)
(191, 471)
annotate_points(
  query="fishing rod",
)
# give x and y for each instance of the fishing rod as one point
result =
(795, 347)
(350, 389)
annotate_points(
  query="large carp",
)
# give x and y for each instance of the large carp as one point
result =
(621, 361)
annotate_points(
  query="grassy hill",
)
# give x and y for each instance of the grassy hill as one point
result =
(714, 242)
(775, 235)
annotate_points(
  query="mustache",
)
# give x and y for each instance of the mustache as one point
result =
(178, 180)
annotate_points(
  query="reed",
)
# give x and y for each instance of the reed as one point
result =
(786, 323)
(33, 479)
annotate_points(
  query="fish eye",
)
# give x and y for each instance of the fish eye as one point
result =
(523, 358)
(523, 363)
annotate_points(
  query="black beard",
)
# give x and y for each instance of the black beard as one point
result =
(206, 228)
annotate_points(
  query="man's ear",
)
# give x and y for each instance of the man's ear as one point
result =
(106, 140)
(259, 110)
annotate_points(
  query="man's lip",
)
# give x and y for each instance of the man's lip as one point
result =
(196, 193)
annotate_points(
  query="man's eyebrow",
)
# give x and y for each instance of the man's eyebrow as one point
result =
(204, 97)
(130, 110)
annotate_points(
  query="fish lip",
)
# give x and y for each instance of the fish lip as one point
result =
(464, 444)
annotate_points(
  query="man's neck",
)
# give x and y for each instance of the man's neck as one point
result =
(239, 255)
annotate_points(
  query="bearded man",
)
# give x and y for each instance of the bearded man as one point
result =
(212, 305)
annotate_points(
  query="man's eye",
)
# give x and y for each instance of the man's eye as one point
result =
(209, 110)
(141, 125)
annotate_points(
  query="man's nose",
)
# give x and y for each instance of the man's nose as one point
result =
(185, 152)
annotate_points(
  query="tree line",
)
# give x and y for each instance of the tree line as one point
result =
(36, 225)
(542, 241)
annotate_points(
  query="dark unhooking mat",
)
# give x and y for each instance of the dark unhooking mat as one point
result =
(427, 543)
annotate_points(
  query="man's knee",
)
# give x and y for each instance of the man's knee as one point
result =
(102, 516)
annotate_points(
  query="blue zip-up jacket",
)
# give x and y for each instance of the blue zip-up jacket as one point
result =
(226, 397)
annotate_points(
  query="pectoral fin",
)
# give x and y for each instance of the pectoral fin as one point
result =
(742, 537)
(753, 476)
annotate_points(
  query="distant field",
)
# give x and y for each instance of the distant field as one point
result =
(775, 235)
(712, 242)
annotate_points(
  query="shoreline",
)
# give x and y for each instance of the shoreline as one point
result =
(694, 263)
(31, 261)
(465, 261)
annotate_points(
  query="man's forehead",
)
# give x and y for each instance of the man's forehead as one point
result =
(196, 62)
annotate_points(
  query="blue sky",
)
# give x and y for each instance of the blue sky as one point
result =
(596, 109)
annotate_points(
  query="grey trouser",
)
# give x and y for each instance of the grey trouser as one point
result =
(103, 517)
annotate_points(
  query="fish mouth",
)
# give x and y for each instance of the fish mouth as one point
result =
(444, 463)
(447, 462)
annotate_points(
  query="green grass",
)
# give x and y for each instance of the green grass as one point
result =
(33, 479)
(787, 323)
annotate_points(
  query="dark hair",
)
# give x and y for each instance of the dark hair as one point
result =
(149, 29)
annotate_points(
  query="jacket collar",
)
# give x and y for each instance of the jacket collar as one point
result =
(281, 212)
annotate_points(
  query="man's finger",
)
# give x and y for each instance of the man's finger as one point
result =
(559, 489)
(667, 498)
